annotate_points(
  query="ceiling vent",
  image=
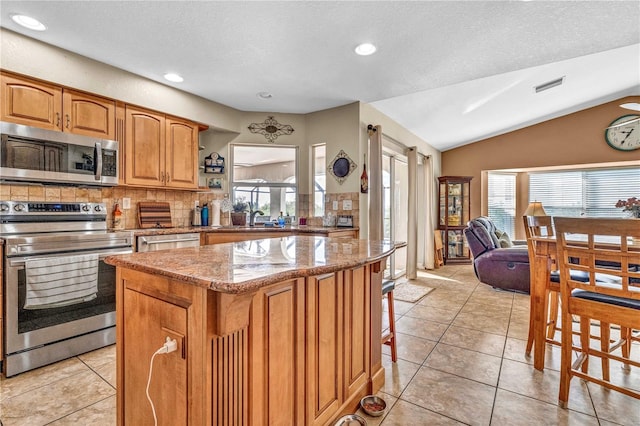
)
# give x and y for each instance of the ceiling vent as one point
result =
(550, 84)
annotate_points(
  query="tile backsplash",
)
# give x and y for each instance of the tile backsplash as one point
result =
(181, 202)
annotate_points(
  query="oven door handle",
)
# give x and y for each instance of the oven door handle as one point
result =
(181, 240)
(20, 261)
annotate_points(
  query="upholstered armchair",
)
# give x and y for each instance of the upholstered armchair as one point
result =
(496, 260)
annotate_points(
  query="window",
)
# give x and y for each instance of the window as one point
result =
(589, 193)
(318, 153)
(266, 177)
(502, 201)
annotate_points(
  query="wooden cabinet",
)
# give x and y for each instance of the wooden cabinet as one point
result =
(160, 151)
(88, 115)
(181, 160)
(357, 326)
(277, 371)
(299, 352)
(148, 315)
(453, 215)
(324, 347)
(39, 104)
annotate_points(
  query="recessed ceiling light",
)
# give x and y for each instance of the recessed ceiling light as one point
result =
(365, 49)
(173, 77)
(28, 22)
(265, 95)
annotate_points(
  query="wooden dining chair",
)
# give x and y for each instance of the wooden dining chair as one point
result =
(592, 245)
(540, 226)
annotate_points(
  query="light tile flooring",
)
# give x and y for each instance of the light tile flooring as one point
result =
(461, 361)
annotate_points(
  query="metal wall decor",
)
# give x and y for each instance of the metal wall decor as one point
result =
(271, 129)
(341, 167)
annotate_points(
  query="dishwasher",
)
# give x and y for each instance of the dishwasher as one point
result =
(167, 241)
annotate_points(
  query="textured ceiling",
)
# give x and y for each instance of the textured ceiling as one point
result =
(451, 72)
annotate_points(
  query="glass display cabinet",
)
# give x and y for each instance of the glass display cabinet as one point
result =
(453, 215)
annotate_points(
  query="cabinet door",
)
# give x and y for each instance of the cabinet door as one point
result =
(324, 347)
(357, 328)
(182, 154)
(31, 103)
(89, 115)
(145, 147)
(148, 320)
(277, 370)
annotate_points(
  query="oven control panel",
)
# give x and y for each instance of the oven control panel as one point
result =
(25, 208)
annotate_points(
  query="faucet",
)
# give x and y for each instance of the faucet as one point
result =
(252, 217)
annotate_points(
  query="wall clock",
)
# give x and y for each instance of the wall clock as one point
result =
(624, 133)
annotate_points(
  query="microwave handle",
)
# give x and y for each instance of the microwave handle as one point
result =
(98, 157)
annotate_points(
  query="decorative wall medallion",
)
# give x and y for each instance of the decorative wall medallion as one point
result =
(271, 129)
(341, 167)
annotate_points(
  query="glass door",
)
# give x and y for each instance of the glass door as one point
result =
(395, 195)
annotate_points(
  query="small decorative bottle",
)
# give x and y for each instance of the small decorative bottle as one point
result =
(364, 179)
(117, 217)
(281, 220)
(204, 214)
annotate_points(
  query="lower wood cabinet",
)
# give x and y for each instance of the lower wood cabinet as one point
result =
(300, 352)
(324, 345)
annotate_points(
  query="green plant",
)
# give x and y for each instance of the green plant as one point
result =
(240, 206)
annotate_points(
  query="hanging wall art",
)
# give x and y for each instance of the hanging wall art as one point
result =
(271, 129)
(341, 167)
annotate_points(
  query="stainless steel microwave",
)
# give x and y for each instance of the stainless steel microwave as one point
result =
(30, 154)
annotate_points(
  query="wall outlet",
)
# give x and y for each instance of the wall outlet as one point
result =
(126, 203)
(347, 205)
(196, 204)
(335, 205)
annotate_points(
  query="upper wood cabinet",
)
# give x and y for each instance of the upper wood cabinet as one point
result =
(39, 104)
(160, 151)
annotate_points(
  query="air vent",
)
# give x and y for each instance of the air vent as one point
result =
(550, 84)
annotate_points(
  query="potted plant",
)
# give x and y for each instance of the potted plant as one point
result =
(239, 213)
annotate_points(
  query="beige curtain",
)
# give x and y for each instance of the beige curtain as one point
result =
(412, 217)
(426, 212)
(375, 183)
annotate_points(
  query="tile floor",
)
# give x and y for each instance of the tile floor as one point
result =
(461, 361)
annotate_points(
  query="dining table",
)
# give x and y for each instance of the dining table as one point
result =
(546, 251)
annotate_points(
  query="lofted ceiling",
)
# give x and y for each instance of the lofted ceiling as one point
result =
(451, 72)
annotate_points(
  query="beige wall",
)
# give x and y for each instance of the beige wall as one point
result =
(339, 128)
(573, 140)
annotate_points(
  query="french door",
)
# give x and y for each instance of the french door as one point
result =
(395, 199)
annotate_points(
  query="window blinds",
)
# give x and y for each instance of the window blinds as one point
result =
(589, 193)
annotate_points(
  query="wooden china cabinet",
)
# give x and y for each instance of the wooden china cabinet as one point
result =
(453, 215)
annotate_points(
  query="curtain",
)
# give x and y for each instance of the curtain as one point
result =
(375, 182)
(412, 235)
(426, 212)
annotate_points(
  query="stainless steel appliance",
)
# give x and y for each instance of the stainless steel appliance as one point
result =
(166, 242)
(57, 238)
(30, 154)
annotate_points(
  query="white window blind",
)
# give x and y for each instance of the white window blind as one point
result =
(502, 201)
(588, 193)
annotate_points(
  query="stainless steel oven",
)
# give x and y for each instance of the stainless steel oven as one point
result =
(49, 314)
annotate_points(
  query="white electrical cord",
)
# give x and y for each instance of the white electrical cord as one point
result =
(170, 345)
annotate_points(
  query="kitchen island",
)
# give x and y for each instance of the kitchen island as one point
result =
(272, 331)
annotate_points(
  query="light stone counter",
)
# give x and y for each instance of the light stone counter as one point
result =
(245, 266)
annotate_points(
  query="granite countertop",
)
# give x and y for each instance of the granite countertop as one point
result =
(238, 229)
(246, 266)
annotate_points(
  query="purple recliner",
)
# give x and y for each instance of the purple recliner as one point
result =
(495, 261)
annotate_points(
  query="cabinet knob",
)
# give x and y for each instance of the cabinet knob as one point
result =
(57, 119)
(168, 178)
(68, 120)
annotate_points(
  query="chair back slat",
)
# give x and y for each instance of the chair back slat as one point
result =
(604, 249)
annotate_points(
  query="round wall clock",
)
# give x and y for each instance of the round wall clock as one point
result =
(624, 133)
